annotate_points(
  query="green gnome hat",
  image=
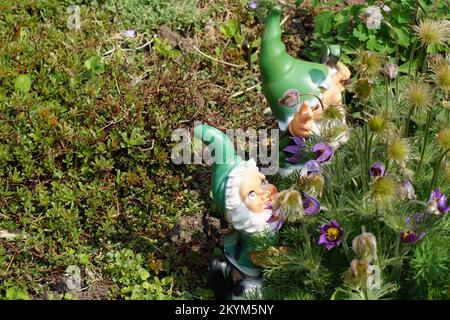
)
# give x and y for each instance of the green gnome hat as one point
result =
(288, 82)
(225, 158)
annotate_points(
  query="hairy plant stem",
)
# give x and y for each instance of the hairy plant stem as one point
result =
(366, 143)
(387, 93)
(411, 56)
(369, 148)
(361, 162)
(423, 52)
(436, 169)
(425, 140)
(306, 235)
(398, 267)
(397, 57)
(364, 290)
(377, 218)
(407, 120)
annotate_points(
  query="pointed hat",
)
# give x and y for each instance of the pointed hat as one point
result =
(225, 160)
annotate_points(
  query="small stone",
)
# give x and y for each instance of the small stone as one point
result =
(73, 278)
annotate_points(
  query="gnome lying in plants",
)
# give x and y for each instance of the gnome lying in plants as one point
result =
(305, 97)
(242, 192)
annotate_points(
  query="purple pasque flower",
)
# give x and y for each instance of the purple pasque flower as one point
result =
(323, 151)
(276, 218)
(405, 190)
(411, 236)
(331, 234)
(253, 5)
(311, 206)
(313, 166)
(439, 201)
(130, 33)
(377, 169)
(296, 149)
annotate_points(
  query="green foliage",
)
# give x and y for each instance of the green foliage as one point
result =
(136, 283)
(16, 293)
(348, 28)
(94, 65)
(23, 83)
(163, 47)
(143, 15)
(232, 30)
(429, 265)
(85, 138)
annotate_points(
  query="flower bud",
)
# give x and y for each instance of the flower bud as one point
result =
(383, 190)
(357, 273)
(377, 124)
(365, 246)
(405, 190)
(315, 185)
(398, 150)
(390, 70)
(333, 113)
(290, 204)
(444, 138)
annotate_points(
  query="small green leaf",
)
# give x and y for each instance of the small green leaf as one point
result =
(95, 65)
(372, 44)
(323, 21)
(360, 34)
(16, 293)
(23, 83)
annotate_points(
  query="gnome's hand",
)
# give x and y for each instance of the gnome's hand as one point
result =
(302, 123)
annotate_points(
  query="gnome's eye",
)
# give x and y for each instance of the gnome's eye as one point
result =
(264, 182)
(252, 195)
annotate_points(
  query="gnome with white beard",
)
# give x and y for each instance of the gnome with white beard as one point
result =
(242, 192)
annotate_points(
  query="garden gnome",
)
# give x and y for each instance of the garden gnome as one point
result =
(243, 194)
(293, 88)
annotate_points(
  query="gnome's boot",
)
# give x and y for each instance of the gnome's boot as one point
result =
(219, 277)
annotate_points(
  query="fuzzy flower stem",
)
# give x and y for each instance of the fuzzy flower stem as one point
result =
(411, 56)
(408, 119)
(398, 266)
(436, 169)
(419, 5)
(387, 93)
(377, 218)
(366, 144)
(361, 162)
(369, 153)
(423, 52)
(397, 55)
(306, 235)
(425, 140)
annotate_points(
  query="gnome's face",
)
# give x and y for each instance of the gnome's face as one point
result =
(255, 191)
(333, 95)
(249, 199)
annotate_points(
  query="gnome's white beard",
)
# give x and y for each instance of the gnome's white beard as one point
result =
(243, 219)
